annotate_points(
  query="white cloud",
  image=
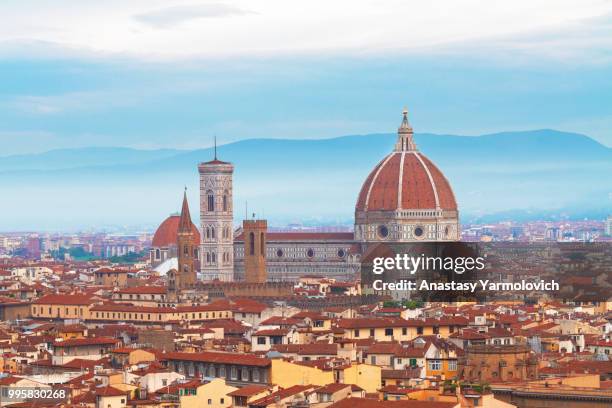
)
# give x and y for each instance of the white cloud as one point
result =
(73, 101)
(175, 15)
(270, 27)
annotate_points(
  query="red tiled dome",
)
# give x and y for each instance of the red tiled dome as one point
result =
(405, 180)
(166, 233)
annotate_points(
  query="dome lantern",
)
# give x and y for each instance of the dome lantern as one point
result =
(405, 135)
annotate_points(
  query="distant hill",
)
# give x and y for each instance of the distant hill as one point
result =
(313, 180)
(90, 156)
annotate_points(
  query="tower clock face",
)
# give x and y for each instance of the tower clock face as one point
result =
(418, 231)
(383, 231)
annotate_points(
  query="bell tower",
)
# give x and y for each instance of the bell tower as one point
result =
(186, 249)
(216, 220)
(254, 232)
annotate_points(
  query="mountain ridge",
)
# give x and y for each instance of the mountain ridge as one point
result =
(307, 179)
(139, 156)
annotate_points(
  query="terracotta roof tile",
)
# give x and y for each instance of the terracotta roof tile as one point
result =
(248, 391)
(218, 357)
(85, 342)
(305, 236)
(381, 187)
(73, 299)
(280, 395)
(153, 290)
(374, 403)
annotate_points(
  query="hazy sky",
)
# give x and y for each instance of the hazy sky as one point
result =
(156, 73)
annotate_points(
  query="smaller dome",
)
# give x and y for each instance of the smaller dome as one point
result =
(167, 233)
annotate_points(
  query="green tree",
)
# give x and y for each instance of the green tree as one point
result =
(412, 304)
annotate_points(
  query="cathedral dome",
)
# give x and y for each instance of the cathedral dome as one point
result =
(406, 180)
(167, 233)
(406, 197)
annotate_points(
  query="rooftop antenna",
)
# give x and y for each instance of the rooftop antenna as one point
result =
(215, 147)
(246, 210)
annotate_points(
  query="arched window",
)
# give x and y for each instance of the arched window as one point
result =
(157, 253)
(225, 203)
(211, 200)
(213, 257)
(251, 244)
(207, 232)
(212, 232)
(262, 244)
(208, 257)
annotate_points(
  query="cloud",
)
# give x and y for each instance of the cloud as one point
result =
(172, 16)
(72, 102)
(581, 41)
(155, 30)
(35, 105)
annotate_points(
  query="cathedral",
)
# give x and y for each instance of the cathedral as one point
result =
(405, 198)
